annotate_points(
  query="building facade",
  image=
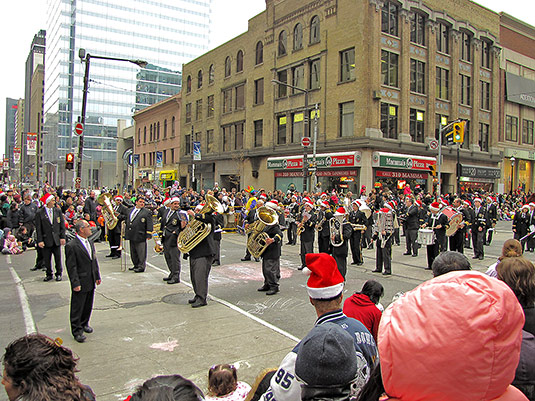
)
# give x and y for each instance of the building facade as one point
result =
(369, 80)
(11, 133)
(165, 33)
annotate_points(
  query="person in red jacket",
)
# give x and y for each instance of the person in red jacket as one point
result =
(363, 306)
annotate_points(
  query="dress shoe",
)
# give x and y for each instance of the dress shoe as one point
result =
(58, 278)
(88, 329)
(415, 255)
(272, 291)
(48, 278)
(427, 268)
(131, 268)
(481, 257)
(360, 263)
(110, 255)
(115, 257)
(475, 257)
(354, 263)
(385, 273)
(198, 303)
(376, 271)
(167, 278)
(406, 253)
(173, 281)
(35, 268)
(80, 338)
(301, 267)
(263, 288)
(216, 263)
(192, 300)
(136, 270)
(245, 259)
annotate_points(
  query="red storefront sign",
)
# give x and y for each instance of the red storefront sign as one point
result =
(401, 175)
(288, 174)
(319, 173)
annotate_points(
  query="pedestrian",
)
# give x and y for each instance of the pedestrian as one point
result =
(139, 229)
(492, 212)
(521, 224)
(50, 228)
(172, 224)
(479, 229)
(363, 306)
(90, 206)
(83, 270)
(223, 384)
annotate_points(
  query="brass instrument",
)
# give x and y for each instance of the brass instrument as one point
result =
(196, 230)
(107, 210)
(336, 230)
(319, 225)
(358, 227)
(256, 244)
(365, 209)
(157, 237)
(302, 224)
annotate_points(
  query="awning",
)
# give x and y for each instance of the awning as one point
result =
(398, 160)
(323, 160)
(167, 175)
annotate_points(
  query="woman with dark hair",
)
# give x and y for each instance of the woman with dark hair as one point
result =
(512, 248)
(37, 368)
(223, 384)
(363, 306)
(167, 388)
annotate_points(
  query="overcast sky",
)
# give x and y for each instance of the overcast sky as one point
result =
(22, 19)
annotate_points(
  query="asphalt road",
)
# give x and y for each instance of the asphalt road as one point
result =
(145, 327)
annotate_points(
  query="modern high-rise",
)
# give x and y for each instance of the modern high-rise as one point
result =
(11, 132)
(164, 33)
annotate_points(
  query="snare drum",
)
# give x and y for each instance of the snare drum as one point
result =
(426, 236)
(455, 218)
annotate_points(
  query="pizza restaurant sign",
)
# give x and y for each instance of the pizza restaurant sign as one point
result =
(393, 160)
(322, 161)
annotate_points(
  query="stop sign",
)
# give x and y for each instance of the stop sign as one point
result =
(79, 128)
(305, 141)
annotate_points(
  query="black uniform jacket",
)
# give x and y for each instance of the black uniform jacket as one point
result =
(206, 247)
(140, 229)
(82, 269)
(48, 233)
(273, 251)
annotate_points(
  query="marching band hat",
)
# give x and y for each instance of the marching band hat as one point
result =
(477, 200)
(325, 204)
(174, 199)
(166, 201)
(419, 202)
(118, 197)
(434, 207)
(340, 211)
(325, 281)
(309, 204)
(47, 198)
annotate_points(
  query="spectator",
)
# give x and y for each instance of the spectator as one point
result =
(261, 384)
(39, 368)
(525, 372)
(168, 388)
(223, 384)
(11, 246)
(450, 261)
(23, 237)
(363, 306)
(511, 248)
(13, 216)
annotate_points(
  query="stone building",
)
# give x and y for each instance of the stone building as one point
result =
(382, 74)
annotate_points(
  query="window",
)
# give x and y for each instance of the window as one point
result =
(297, 127)
(389, 18)
(145, 134)
(239, 61)
(484, 137)
(389, 120)
(210, 106)
(227, 67)
(188, 84)
(259, 91)
(485, 95)
(139, 136)
(389, 68)
(258, 131)
(173, 128)
(466, 139)
(165, 128)
(417, 76)
(187, 144)
(283, 36)
(158, 131)
(466, 46)
(199, 79)
(282, 76)
(298, 37)
(211, 74)
(259, 55)
(416, 126)
(314, 29)
(227, 100)
(144, 159)
(443, 84)
(198, 110)
(226, 137)
(188, 112)
(347, 115)
(314, 78)
(165, 156)
(438, 121)
(172, 155)
(417, 28)
(281, 130)
(240, 97)
(347, 65)
(298, 78)
(150, 137)
(210, 141)
(238, 136)
(443, 35)
(527, 132)
(466, 89)
(485, 54)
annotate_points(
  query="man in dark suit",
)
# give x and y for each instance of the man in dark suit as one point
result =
(50, 230)
(139, 229)
(90, 206)
(172, 223)
(479, 229)
(324, 215)
(411, 224)
(114, 236)
(83, 270)
(492, 212)
(307, 224)
(271, 257)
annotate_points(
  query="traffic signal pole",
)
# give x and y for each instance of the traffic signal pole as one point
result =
(84, 106)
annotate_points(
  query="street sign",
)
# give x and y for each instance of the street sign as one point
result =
(433, 145)
(77, 185)
(305, 142)
(78, 180)
(79, 129)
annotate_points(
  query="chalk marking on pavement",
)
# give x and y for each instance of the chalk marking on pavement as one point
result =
(24, 303)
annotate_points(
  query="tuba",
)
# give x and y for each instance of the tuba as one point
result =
(256, 244)
(107, 210)
(196, 230)
(157, 237)
(336, 230)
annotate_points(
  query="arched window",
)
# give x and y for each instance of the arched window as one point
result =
(211, 74)
(259, 56)
(227, 67)
(283, 37)
(298, 37)
(188, 84)
(239, 61)
(139, 136)
(199, 79)
(315, 29)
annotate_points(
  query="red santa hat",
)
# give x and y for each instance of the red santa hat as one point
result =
(384, 210)
(532, 204)
(166, 201)
(307, 199)
(477, 200)
(525, 207)
(434, 207)
(325, 204)
(272, 204)
(323, 194)
(419, 202)
(467, 203)
(199, 206)
(309, 204)
(174, 199)
(118, 197)
(444, 202)
(340, 211)
(325, 281)
(47, 198)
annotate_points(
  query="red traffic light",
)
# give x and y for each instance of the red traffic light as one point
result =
(70, 157)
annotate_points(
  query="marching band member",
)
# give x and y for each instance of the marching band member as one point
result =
(114, 236)
(492, 211)
(531, 240)
(293, 211)
(271, 256)
(340, 238)
(521, 224)
(437, 222)
(219, 221)
(138, 230)
(250, 206)
(356, 216)
(411, 221)
(325, 214)
(383, 229)
(171, 225)
(307, 228)
(479, 229)
(467, 206)
(457, 239)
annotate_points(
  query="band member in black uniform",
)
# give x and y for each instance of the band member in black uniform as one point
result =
(437, 222)
(521, 224)
(114, 236)
(492, 212)
(358, 218)
(479, 229)
(251, 217)
(457, 239)
(163, 210)
(307, 226)
(293, 209)
(411, 224)
(324, 215)
(340, 238)
(383, 229)
(139, 229)
(200, 259)
(171, 225)
(218, 230)
(395, 212)
(531, 240)
(271, 269)
(469, 212)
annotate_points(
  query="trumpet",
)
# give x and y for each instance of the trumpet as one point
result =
(157, 237)
(305, 218)
(358, 227)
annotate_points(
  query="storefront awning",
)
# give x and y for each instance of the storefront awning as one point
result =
(167, 175)
(402, 161)
(323, 160)
(489, 173)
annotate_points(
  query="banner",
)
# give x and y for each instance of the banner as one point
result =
(16, 155)
(31, 144)
(6, 164)
(136, 161)
(196, 151)
(159, 159)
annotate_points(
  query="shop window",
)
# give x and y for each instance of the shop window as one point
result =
(283, 37)
(466, 46)
(511, 128)
(314, 78)
(259, 91)
(485, 95)
(389, 68)
(239, 61)
(314, 29)
(416, 126)
(259, 54)
(417, 28)
(281, 130)
(389, 120)
(347, 116)
(347, 65)
(466, 90)
(211, 74)
(443, 84)
(389, 18)
(485, 54)
(258, 133)
(210, 106)
(298, 78)
(417, 76)
(527, 132)
(443, 38)
(297, 127)
(228, 68)
(298, 37)
(484, 137)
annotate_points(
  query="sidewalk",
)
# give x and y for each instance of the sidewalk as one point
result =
(145, 328)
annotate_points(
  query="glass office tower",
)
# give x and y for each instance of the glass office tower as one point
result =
(165, 33)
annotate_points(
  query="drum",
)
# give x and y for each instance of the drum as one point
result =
(455, 218)
(426, 236)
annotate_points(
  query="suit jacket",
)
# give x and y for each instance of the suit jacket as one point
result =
(171, 227)
(50, 234)
(273, 251)
(90, 206)
(481, 219)
(140, 229)
(412, 219)
(441, 220)
(206, 247)
(492, 211)
(82, 269)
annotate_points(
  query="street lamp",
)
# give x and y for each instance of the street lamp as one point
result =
(86, 57)
(512, 172)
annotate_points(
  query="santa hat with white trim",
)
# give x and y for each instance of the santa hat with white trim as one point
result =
(434, 207)
(325, 281)
(118, 197)
(340, 211)
(47, 198)
(272, 204)
(166, 201)
(174, 199)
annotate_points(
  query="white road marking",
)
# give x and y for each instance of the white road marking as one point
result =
(24, 303)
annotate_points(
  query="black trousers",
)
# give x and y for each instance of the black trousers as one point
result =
(292, 233)
(47, 253)
(411, 235)
(81, 307)
(172, 258)
(271, 270)
(457, 241)
(114, 238)
(478, 238)
(432, 253)
(306, 247)
(138, 254)
(355, 242)
(324, 244)
(341, 263)
(199, 270)
(383, 256)
(489, 236)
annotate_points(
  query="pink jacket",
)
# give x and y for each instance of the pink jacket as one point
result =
(453, 338)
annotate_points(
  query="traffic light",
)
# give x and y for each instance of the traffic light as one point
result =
(69, 161)
(458, 132)
(448, 136)
(433, 170)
